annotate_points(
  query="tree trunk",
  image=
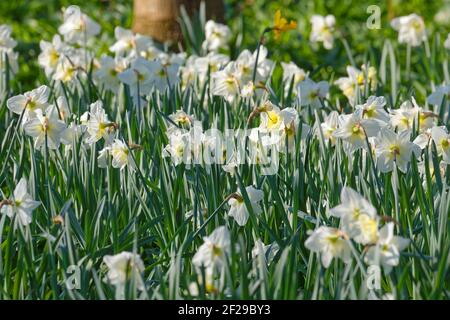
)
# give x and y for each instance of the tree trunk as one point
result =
(158, 18)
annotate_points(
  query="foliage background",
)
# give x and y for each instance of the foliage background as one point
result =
(38, 19)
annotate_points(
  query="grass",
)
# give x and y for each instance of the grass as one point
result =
(107, 211)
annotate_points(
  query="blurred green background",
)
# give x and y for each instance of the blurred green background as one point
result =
(33, 20)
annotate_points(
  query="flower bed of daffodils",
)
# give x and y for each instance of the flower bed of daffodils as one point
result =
(150, 174)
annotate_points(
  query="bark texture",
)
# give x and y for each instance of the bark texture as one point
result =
(159, 18)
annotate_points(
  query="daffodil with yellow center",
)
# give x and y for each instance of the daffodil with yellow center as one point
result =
(442, 140)
(417, 25)
(106, 127)
(325, 31)
(349, 91)
(211, 254)
(20, 204)
(313, 94)
(53, 57)
(121, 155)
(330, 243)
(230, 82)
(274, 120)
(113, 72)
(290, 130)
(98, 125)
(357, 132)
(360, 79)
(45, 128)
(358, 217)
(81, 25)
(370, 112)
(391, 148)
(394, 150)
(369, 229)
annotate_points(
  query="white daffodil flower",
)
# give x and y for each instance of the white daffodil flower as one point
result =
(263, 145)
(356, 80)
(45, 127)
(437, 97)
(177, 147)
(125, 41)
(212, 253)
(283, 125)
(212, 283)
(358, 217)
(50, 54)
(387, 250)
(248, 90)
(30, 101)
(329, 126)
(422, 166)
(217, 36)
(110, 68)
(181, 119)
(124, 267)
(164, 72)
(245, 65)
(391, 147)
(212, 62)
(225, 83)
(121, 155)
(148, 51)
(267, 251)
(84, 118)
(427, 119)
(103, 156)
(403, 117)
(77, 26)
(189, 74)
(329, 243)
(311, 92)
(63, 107)
(185, 146)
(231, 164)
(139, 77)
(131, 44)
(411, 29)
(353, 129)
(442, 140)
(292, 75)
(66, 70)
(98, 126)
(238, 209)
(7, 55)
(323, 30)
(71, 135)
(22, 204)
(374, 109)
(6, 41)
(423, 139)
(196, 70)
(276, 119)
(289, 134)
